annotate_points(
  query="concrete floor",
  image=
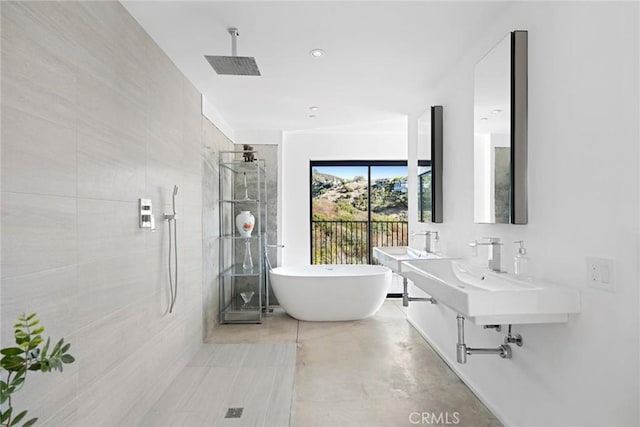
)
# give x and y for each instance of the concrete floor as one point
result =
(372, 372)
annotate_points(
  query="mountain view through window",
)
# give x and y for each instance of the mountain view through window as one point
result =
(355, 208)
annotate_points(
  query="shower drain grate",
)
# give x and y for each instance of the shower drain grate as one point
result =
(234, 413)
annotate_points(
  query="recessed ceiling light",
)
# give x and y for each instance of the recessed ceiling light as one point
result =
(316, 53)
(311, 116)
(314, 108)
(496, 111)
(484, 118)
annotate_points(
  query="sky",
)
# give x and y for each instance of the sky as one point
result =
(377, 172)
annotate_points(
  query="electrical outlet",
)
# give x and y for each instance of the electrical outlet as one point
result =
(600, 274)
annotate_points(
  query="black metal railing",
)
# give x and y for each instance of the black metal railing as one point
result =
(350, 242)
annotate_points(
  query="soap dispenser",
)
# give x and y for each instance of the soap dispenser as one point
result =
(521, 261)
(435, 246)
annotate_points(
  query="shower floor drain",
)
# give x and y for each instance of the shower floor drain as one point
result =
(234, 413)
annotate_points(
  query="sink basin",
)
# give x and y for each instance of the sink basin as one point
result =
(489, 298)
(392, 256)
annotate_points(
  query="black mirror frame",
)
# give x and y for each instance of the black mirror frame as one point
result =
(436, 164)
(519, 130)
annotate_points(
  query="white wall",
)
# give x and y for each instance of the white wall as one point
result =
(298, 149)
(583, 201)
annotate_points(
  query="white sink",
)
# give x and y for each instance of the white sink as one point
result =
(489, 298)
(392, 256)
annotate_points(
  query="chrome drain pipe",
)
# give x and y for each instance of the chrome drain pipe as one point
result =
(462, 351)
(406, 298)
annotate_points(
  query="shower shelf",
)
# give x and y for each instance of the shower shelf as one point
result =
(242, 187)
(240, 201)
(233, 237)
(238, 270)
(239, 166)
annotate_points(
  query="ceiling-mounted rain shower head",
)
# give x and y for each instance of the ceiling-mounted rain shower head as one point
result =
(234, 65)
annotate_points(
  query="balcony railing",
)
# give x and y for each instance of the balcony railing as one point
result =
(350, 242)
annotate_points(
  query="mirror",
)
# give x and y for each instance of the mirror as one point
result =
(500, 133)
(430, 166)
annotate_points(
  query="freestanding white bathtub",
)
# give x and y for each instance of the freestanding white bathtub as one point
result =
(331, 292)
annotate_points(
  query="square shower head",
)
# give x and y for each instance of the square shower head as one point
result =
(234, 65)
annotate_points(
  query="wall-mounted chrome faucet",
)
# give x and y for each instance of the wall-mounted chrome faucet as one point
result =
(494, 261)
(428, 248)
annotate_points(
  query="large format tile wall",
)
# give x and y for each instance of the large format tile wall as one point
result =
(95, 116)
(214, 142)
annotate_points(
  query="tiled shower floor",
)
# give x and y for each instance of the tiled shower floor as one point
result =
(255, 377)
(372, 372)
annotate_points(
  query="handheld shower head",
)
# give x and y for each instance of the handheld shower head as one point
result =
(173, 200)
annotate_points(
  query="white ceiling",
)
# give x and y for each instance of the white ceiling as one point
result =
(381, 56)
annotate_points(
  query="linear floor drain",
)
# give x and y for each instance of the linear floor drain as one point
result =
(234, 413)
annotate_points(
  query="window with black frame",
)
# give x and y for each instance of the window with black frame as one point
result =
(425, 203)
(355, 206)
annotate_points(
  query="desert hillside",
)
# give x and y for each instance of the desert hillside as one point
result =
(335, 198)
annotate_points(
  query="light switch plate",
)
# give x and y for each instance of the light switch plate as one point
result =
(601, 274)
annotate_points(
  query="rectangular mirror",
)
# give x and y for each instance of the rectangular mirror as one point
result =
(500, 133)
(430, 165)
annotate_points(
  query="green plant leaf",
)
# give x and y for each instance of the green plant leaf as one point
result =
(21, 373)
(31, 316)
(5, 415)
(29, 423)
(11, 351)
(67, 358)
(35, 342)
(38, 331)
(19, 417)
(65, 348)
(11, 363)
(43, 355)
(57, 347)
(17, 381)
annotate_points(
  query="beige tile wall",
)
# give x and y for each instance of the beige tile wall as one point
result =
(95, 116)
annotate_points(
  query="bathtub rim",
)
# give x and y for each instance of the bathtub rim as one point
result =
(373, 270)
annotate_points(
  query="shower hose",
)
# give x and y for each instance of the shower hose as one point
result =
(173, 275)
